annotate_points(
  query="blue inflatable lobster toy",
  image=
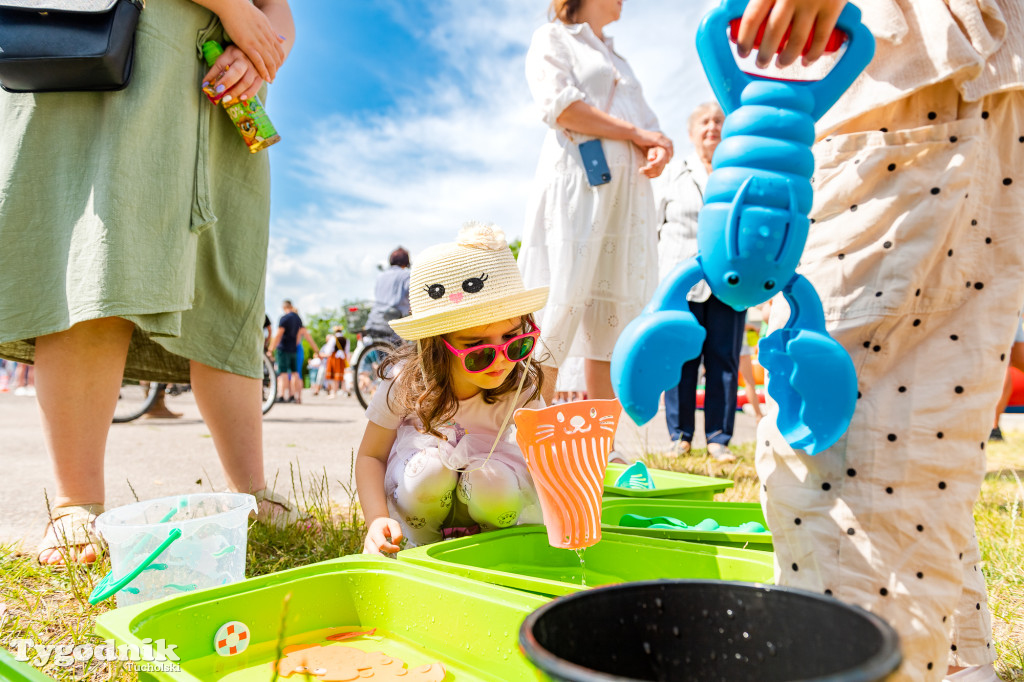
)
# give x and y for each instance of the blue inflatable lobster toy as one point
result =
(750, 236)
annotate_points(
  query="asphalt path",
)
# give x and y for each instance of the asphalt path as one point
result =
(160, 457)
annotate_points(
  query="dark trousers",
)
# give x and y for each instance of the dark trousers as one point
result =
(721, 356)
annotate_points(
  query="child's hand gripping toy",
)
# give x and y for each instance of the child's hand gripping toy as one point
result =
(750, 236)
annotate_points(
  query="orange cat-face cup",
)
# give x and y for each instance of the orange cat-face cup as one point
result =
(566, 448)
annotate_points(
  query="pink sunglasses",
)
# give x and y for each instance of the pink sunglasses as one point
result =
(479, 358)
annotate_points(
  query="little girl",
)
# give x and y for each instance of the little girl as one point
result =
(437, 457)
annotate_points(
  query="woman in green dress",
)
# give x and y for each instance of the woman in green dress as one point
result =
(134, 227)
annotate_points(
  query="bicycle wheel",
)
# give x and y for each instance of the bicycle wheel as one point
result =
(269, 384)
(365, 370)
(135, 398)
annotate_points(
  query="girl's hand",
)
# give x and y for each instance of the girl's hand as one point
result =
(232, 77)
(657, 157)
(252, 32)
(383, 535)
(801, 17)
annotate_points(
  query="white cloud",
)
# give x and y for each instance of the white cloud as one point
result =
(464, 148)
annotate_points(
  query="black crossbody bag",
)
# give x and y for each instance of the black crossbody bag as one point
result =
(67, 45)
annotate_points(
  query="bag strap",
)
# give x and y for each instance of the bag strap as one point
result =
(607, 108)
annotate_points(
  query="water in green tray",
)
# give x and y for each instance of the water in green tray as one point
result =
(565, 574)
(254, 664)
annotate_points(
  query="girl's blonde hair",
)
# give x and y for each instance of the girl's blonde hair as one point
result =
(424, 386)
(565, 11)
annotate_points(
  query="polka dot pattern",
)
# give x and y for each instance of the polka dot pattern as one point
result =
(900, 286)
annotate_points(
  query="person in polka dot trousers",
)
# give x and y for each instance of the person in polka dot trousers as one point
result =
(915, 250)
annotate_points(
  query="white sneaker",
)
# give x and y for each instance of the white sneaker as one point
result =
(721, 453)
(21, 390)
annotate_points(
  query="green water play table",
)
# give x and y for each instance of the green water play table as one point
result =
(667, 485)
(521, 557)
(690, 512)
(13, 670)
(419, 615)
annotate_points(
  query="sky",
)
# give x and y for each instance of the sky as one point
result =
(402, 119)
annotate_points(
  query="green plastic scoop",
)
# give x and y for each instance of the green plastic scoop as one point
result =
(669, 523)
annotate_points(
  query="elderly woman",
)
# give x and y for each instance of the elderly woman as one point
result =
(594, 246)
(680, 196)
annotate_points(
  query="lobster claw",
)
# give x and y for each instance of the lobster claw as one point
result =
(811, 377)
(649, 357)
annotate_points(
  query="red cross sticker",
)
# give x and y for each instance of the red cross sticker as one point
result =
(232, 638)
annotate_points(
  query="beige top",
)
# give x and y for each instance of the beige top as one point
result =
(976, 43)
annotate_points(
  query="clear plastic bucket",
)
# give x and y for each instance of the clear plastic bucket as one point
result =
(174, 544)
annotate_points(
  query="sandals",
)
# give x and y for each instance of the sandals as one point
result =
(680, 448)
(70, 530)
(282, 515)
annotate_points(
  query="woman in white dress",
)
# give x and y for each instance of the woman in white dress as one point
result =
(594, 246)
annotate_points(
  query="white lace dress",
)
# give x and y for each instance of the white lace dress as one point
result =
(595, 247)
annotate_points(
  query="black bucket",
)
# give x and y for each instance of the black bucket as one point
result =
(702, 630)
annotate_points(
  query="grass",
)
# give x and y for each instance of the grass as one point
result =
(51, 606)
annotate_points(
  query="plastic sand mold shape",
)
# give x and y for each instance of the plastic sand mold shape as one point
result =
(566, 448)
(329, 662)
(750, 237)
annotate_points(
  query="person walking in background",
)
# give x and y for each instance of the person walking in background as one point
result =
(24, 380)
(751, 337)
(290, 333)
(390, 295)
(594, 245)
(334, 355)
(679, 197)
(134, 246)
(6, 371)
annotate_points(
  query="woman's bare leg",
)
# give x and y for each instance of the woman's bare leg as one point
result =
(548, 388)
(231, 406)
(598, 375)
(78, 376)
(747, 372)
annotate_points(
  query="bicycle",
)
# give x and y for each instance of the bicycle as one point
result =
(365, 378)
(137, 397)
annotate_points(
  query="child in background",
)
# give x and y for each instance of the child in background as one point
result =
(916, 253)
(335, 354)
(438, 456)
(751, 337)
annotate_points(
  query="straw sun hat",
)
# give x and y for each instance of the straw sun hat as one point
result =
(464, 284)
